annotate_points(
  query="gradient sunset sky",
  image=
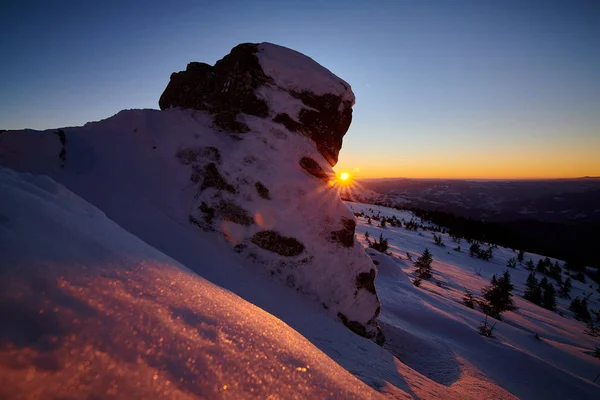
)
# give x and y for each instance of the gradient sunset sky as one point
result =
(445, 89)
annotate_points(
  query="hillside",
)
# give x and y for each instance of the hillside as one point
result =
(430, 329)
(89, 310)
(203, 251)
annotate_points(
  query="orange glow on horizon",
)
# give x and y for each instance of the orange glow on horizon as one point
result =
(484, 156)
(552, 166)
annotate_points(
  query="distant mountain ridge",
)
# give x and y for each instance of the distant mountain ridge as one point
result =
(559, 217)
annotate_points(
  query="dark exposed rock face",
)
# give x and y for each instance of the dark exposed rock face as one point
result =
(345, 236)
(359, 329)
(225, 89)
(262, 190)
(366, 280)
(214, 179)
(313, 168)
(326, 127)
(229, 88)
(229, 211)
(275, 242)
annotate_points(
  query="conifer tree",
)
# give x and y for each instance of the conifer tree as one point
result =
(549, 300)
(565, 289)
(529, 265)
(533, 293)
(468, 299)
(579, 308)
(521, 256)
(498, 296)
(541, 267)
(512, 263)
(423, 265)
(474, 249)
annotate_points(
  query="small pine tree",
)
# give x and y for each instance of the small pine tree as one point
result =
(468, 299)
(423, 265)
(382, 222)
(512, 263)
(498, 296)
(474, 249)
(438, 240)
(381, 245)
(529, 265)
(533, 293)
(487, 254)
(549, 299)
(521, 256)
(554, 271)
(544, 283)
(541, 267)
(579, 308)
(486, 329)
(369, 220)
(565, 289)
(592, 329)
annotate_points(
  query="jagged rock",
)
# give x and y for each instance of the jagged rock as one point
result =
(313, 168)
(366, 280)
(293, 113)
(316, 102)
(345, 236)
(224, 90)
(275, 242)
(214, 179)
(229, 211)
(262, 191)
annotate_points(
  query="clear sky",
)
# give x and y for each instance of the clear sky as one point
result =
(469, 89)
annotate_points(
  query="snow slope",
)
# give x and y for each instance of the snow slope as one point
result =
(128, 167)
(89, 310)
(429, 329)
(83, 297)
(144, 169)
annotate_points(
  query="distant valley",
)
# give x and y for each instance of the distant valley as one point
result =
(561, 200)
(558, 217)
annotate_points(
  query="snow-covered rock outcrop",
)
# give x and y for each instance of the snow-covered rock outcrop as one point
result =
(243, 149)
(88, 310)
(267, 81)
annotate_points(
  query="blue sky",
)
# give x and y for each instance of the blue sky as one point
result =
(444, 88)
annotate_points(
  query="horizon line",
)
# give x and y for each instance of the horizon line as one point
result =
(483, 179)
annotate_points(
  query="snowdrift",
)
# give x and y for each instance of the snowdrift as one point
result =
(88, 309)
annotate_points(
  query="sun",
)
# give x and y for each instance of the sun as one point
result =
(342, 179)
